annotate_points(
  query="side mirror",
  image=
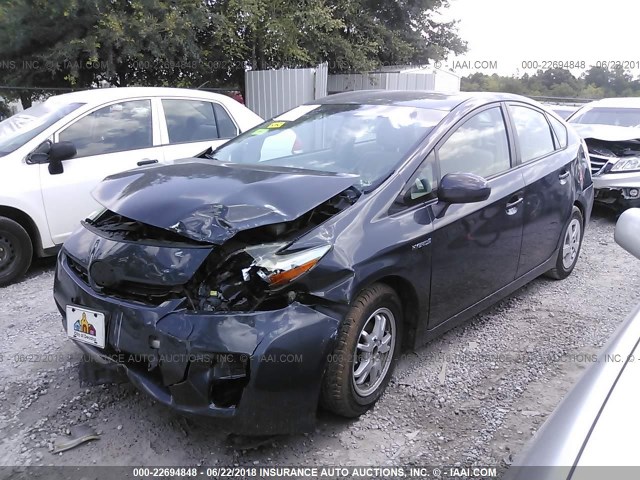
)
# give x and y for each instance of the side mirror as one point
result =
(62, 151)
(40, 154)
(57, 153)
(627, 233)
(461, 188)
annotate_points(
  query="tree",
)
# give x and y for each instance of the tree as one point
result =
(5, 111)
(78, 43)
(24, 37)
(81, 43)
(598, 77)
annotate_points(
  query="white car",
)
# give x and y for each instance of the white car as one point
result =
(53, 154)
(563, 111)
(611, 130)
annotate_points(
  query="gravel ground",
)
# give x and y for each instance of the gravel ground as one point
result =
(474, 396)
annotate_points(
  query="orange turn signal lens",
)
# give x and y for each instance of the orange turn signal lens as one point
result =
(282, 278)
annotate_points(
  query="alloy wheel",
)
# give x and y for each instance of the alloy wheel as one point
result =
(374, 351)
(571, 244)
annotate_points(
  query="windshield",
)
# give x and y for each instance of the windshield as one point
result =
(18, 129)
(622, 117)
(366, 140)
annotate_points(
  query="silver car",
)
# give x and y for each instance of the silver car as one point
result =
(611, 129)
(597, 423)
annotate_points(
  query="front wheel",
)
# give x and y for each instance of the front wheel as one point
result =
(15, 251)
(570, 247)
(367, 348)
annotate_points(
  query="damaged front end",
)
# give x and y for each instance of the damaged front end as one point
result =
(219, 328)
(615, 163)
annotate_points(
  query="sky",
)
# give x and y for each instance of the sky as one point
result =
(514, 37)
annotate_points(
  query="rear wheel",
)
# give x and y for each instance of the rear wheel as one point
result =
(15, 251)
(366, 351)
(570, 247)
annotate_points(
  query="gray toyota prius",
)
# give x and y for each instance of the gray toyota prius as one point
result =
(288, 268)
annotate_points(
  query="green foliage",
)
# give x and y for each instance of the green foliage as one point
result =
(79, 43)
(597, 82)
(5, 111)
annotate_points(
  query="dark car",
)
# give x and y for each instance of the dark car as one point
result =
(290, 266)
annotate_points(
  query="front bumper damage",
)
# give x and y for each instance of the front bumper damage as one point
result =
(608, 145)
(259, 372)
(618, 190)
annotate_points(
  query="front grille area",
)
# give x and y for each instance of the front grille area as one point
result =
(130, 291)
(597, 162)
(78, 269)
(145, 294)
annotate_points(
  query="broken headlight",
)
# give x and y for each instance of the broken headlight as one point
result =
(254, 277)
(626, 165)
(279, 269)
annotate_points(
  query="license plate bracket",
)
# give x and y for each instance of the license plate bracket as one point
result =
(86, 326)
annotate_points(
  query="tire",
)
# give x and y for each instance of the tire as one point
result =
(344, 391)
(571, 243)
(16, 251)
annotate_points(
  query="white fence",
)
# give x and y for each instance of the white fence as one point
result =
(435, 80)
(271, 92)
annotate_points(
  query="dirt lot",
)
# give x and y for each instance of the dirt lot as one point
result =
(474, 396)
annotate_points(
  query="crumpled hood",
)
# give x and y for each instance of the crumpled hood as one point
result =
(607, 133)
(209, 201)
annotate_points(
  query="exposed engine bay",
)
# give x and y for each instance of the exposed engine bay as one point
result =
(250, 271)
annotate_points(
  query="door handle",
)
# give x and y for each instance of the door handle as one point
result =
(146, 161)
(515, 203)
(512, 207)
(563, 177)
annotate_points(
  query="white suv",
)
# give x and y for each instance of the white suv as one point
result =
(53, 154)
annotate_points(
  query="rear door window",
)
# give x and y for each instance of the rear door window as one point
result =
(534, 132)
(560, 133)
(196, 121)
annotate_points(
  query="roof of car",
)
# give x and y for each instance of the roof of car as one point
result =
(415, 98)
(619, 102)
(107, 94)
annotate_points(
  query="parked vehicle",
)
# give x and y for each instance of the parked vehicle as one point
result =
(611, 128)
(53, 154)
(595, 423)
(293, 263)
(563, 111)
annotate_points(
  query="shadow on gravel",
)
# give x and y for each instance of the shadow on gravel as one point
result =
(38, 267)
(605, 214)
